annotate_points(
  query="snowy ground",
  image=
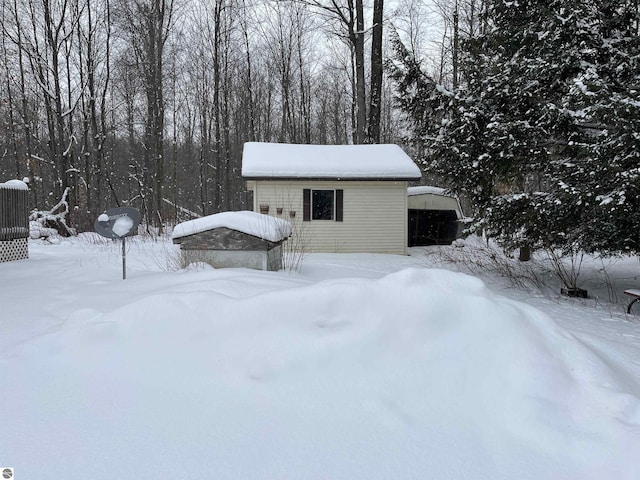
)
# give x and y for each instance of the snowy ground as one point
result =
(357, 367)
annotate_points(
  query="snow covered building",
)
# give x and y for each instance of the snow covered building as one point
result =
(233, 239)
(339, 198)
(14, 221)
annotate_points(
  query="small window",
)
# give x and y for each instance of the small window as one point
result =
(322, 204)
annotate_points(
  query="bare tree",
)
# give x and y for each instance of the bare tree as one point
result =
(43, 32)
(12, 29)
(244, 28)
(433, 31)
(10, 143)
(214, 25)
(94, 70)
(132, 102)
(350, 15)
(286, 30)
(148, 24)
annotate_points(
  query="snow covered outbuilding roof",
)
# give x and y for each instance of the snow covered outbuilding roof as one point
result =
(426, 197)
(426, 189)
(349, 162)
(262, 226)
(15, 185)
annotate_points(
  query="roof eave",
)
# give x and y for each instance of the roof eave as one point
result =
(342, 179)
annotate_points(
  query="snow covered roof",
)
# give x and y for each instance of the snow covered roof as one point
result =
(425, 189)
(433, 198)
(262, 226)
(351, 162)
(15, 185)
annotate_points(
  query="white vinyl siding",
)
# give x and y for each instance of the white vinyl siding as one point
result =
(374, 214)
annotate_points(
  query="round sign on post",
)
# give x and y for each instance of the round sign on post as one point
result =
(119, 223)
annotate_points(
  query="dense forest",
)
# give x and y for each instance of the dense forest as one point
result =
(529, 110)
(148, 103)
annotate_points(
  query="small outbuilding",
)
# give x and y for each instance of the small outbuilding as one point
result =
(14, 221)
(340, 198)
(434, 216)
(233, 239)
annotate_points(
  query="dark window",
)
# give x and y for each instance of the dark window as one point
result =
(322, 203)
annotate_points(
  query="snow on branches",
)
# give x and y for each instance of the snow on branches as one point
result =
(50, 224)
(541, 134)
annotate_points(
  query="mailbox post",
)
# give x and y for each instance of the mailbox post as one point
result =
(119, 223)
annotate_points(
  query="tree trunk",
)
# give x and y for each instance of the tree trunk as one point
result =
(361, 94)
(376, 73)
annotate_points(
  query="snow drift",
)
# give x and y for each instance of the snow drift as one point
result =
(422, 373)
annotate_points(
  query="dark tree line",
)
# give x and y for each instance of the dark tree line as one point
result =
(148, 103)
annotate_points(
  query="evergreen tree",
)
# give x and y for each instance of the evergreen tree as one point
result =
(536, 57)
(542, 133)
(613, 179)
